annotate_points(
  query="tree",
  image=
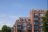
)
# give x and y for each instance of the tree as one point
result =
(45, 22)
(0, 31)
(6, 29)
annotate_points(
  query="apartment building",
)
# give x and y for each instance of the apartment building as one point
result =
(36, 20)
(33, 23)
(22, 25)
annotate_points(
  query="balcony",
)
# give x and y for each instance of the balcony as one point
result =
(23, 27)
(29, 27)
(35, 23)
(36, 27)
(19, 27)
(36, 31)
(35, 18)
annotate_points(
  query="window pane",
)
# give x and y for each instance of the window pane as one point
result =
(36, 27)
(35, 22)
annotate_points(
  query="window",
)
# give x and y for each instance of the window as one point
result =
(36, 31)
(29, 27)
(35, 18)
(36, 15)
(41, 15)
(29, 20)
(35, 22)
(23, 31)
(24, 26)
(36, 27)
(19, 26)
(19, 23)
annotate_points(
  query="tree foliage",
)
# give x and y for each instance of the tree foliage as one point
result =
(6, 29)
(0, 31)
(45, 22)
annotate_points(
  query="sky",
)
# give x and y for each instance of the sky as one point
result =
(10, 10)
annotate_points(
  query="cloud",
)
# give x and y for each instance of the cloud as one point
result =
(8, 20)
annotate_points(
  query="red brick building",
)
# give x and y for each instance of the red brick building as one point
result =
(33, 23)
(36, 20)
(22, 25)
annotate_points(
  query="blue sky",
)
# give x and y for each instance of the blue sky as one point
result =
(10, 10)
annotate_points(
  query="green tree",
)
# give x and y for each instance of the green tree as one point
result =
(6, 29)
(45, 22)
(0, 30)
